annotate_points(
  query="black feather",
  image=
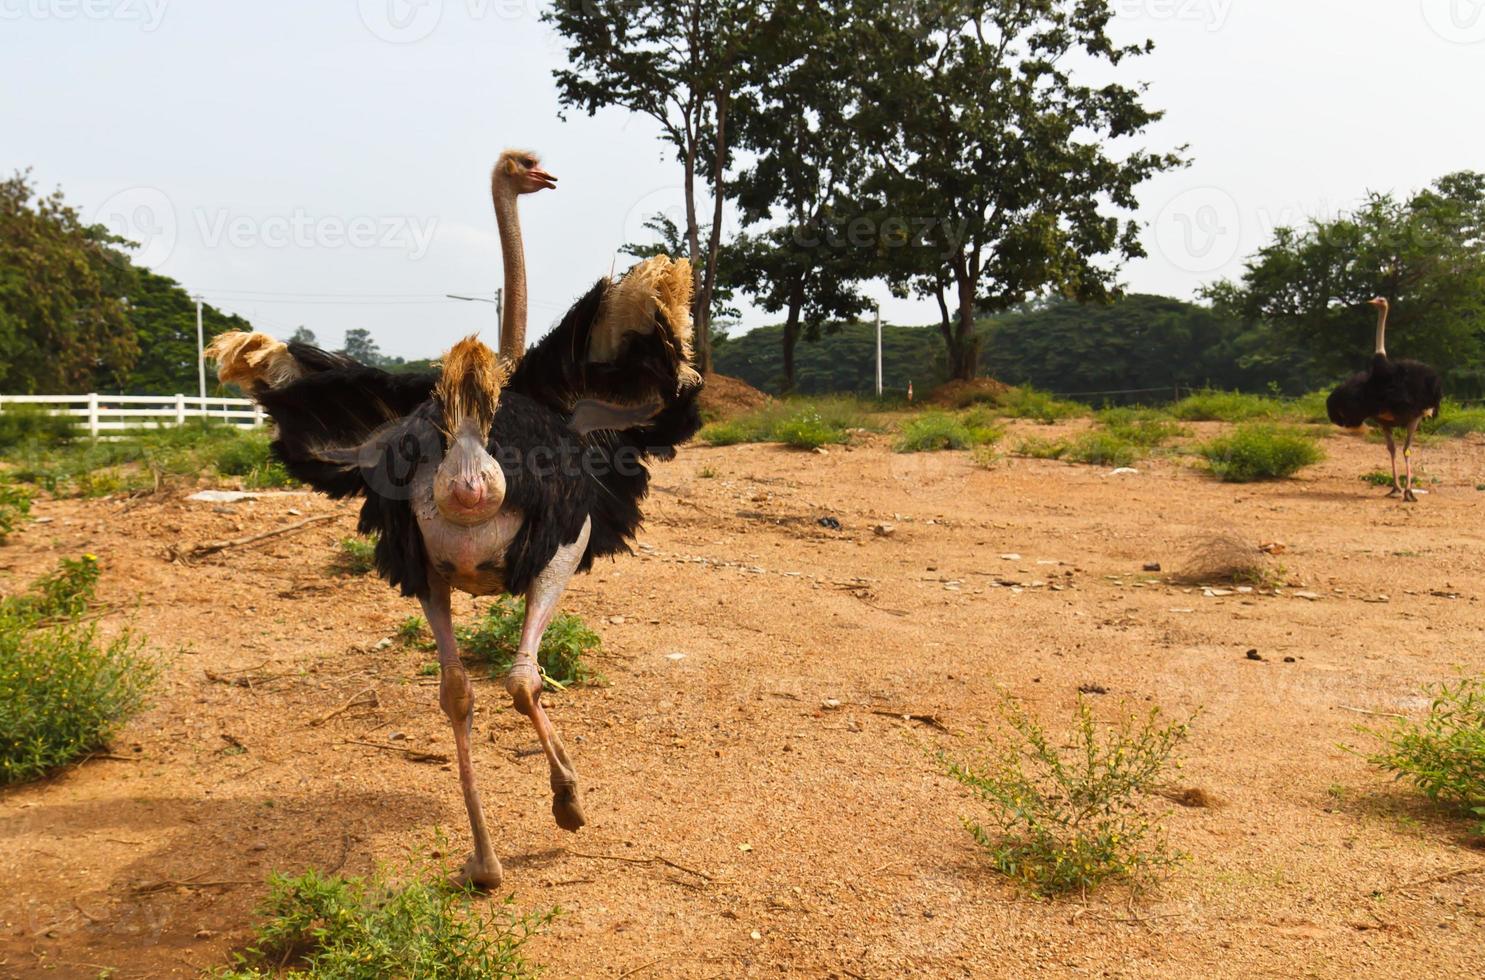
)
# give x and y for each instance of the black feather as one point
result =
(1396, 392)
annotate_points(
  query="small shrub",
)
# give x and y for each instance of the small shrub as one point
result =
(355, 556)
(1310, 408)
(1377, 478)
(1028, 403)
(1229, 560)
(1068, 819)
(1444, 754)
(34, 424)
(934, 431)
(1038, 448)
(986, 457)
(1143, 427)
(565, 649)
(1225, 406)
(413, 632)
(707, 473)
(1455, 420)
(1102, 449)
(63, 691)
(808, 430)
(327, 926)
(1260, 452)
(802, 423)
(15, 505)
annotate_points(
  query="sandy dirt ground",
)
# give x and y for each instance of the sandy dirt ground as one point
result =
(739, 826)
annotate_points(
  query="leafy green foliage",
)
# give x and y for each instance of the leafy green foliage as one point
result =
(1143, 427)
(1444, 754)
(1225, 406)
(63, 690)
(566, 646)
(329, 927)
(1102, 449)
(1377, 478)
(413, 632)
(934, 431)
(21, 424)
(1028, 403)
(1259, 451)
(1037, 447)
(355, 556)
(15, 504)
(841, 360)
(1069, 819)
(1455, 419)
(802, 423)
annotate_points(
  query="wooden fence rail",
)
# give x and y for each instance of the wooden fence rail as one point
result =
(106, 414)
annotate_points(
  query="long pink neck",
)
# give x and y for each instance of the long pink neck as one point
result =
(1382, 330)
(513, 257)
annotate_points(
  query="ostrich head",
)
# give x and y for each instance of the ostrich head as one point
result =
(1380, 302)
(469, 486)
(522, 172)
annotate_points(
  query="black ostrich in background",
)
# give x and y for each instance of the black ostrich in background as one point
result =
(1391, 393)
(493, 475)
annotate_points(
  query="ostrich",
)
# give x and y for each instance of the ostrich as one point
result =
(495, 474)
(1392, 392)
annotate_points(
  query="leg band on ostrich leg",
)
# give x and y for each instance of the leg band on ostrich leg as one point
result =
(456, 697)
(524, 682)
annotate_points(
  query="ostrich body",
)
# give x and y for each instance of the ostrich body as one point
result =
(495, 474)
(1392, 392)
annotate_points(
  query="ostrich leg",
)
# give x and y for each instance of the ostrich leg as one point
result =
(456, 696)
(1392, 452)
(1408, 460)
(524, 681)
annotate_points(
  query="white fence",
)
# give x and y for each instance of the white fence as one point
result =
(115, 413)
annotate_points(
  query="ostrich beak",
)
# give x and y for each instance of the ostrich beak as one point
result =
(542, 179)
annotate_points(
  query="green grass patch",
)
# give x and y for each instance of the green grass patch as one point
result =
(1455, 420)
(1259, 451)
(347, 928)
(804, 423)
(22, 424)
(1226, 406)
(1066, 813)
(63, 691)
(1039, 406)
(1147, 428)
(1309, 408)
(413, 632)
(1377, 478)
(15, 506)
(567, 647)
(1036, 447)
(1096, 448)
(355, 556)
(935, 431)
(1443, 755)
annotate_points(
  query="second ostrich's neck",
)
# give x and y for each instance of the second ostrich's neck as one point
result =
(513, 257)
(1381, 330)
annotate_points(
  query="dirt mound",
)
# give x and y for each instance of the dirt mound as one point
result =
(962, 394)
(724, 397)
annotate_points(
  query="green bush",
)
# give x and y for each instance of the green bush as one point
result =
(802, 423)
(63, 691)
(933, 431)
(1225, 406)
(15, 505)
(345, 928)
(1038, 448)
(1444, 754)
(1029, 403)
(34, 424)
(1260, 452)
(355, 556)
(1066, 814)
(1102, 449)
(1455, 419)
(565, 649)
(1147, 428)
(1310, 408)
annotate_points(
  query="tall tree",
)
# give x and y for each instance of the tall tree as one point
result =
(801, 177)
(163, 317)
(303, 335)
(1425, 253)
(361, 346)
(64, 325)
(682, 63)
(995, 163)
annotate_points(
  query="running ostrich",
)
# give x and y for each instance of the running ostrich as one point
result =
(1391, 392)
(495, 474)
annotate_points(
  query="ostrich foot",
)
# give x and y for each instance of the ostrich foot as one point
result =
(1395, 492)
(1409, 497)
(567, 808)
(485, 877)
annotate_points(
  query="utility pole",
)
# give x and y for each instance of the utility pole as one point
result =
(200, 356)
(499, 306)
(879, 350)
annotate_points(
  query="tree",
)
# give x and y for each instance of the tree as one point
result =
(668, 241)
(1426, 254)
(162, 316)
(804, 169)
(992, 164)
(682, 64)
(64, 324)
(360, 346)
(303, 335)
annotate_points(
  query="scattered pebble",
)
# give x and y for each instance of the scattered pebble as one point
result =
(1010, 557)
(383, 643)
(1311, 596)
(616, 620)
(829, 523)
(1254, 655)
(675, 656)
(1124, 471)
(1151, 566)
(883, 530)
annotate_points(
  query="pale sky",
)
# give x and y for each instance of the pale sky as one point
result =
(326, 163)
